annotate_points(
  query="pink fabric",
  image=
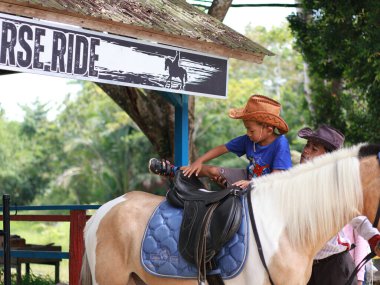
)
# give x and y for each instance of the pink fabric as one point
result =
(361, 249)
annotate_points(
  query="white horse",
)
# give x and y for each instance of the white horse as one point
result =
(296, 212)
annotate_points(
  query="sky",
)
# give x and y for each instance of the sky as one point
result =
(24, 89)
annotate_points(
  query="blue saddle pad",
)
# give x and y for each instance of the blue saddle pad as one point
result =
(159, 251)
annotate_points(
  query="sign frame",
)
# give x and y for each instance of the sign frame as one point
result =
(207, 76)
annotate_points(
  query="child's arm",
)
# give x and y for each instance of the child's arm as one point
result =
(196, 166)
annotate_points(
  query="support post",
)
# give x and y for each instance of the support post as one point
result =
(181, 129)
(181, 126)
(7, 240)
(77, 223)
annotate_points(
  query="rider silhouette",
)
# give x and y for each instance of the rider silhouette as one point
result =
(176, 59)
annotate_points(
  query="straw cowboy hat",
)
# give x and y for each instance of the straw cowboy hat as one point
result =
(263, 110)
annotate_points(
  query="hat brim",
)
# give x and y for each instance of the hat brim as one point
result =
(261, 117)
(308, 134)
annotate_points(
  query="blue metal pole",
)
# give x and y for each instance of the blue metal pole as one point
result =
(181, 132)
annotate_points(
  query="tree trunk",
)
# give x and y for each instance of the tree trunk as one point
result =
(152, 113)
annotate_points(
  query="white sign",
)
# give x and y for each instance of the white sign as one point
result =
(46, 48)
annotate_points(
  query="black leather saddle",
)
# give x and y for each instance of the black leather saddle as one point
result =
(210, 219)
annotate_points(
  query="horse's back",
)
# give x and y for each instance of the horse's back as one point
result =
(114, 234)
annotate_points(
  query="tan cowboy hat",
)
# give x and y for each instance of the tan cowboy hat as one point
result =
(263, 110)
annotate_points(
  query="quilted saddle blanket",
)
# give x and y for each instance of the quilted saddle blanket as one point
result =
(159, 250)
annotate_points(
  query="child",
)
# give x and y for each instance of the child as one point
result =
(266, 150)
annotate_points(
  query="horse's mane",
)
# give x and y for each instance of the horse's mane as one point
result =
(315, 198)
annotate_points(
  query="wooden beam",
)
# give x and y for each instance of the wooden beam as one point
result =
(41, 218)
(104, 25)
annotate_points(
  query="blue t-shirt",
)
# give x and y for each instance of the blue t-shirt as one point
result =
(275, 155)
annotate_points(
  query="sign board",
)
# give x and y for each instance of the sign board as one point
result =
(52, 49)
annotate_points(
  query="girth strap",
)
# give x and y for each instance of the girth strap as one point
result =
(256, 234)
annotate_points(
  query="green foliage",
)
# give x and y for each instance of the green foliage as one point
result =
(340, 41)
(279, 77)
(99, 141)
(26, 154)
(93, 152)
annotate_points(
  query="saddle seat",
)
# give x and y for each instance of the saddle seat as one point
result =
(210, 219)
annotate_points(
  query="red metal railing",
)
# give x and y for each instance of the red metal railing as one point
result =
(77, 219)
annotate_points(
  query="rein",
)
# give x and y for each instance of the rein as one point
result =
(256, 233)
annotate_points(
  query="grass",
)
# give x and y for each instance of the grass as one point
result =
(43, 233)
(30, 280)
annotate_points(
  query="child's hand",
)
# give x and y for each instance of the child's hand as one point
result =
(242, 184)
(195, 167)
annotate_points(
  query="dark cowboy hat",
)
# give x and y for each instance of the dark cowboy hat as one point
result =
(263, 110)
(329, 137)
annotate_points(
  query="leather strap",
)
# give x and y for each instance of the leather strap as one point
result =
(256, 234)
(367, 258)
(370, 255)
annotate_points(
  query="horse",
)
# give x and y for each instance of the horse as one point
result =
(296, 212)
(175, 71)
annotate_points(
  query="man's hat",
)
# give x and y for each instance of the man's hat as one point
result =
(329, 137)
(263, 110)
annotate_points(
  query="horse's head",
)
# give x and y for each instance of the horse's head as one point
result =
(369, 156)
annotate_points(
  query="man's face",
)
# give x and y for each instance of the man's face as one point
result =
(312, 149)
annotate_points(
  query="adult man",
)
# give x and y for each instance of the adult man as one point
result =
(333, 264)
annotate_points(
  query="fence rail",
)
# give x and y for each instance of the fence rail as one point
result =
(77, 219)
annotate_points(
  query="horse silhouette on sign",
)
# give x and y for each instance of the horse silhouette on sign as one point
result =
(175, 71)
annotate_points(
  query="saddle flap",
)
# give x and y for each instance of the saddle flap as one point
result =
(225, 222)
(210, 228)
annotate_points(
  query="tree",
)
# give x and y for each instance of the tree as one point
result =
(340, 41)
(28, 152)
(280, 76)
(104, 153)
(151, 112)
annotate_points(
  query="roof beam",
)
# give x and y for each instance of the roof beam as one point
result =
(61, 16)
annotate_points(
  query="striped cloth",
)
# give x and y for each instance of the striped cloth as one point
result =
(340, 242)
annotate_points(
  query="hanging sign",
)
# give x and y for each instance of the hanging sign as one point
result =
(48, 48)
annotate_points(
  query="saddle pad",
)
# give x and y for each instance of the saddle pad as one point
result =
(159, 250)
